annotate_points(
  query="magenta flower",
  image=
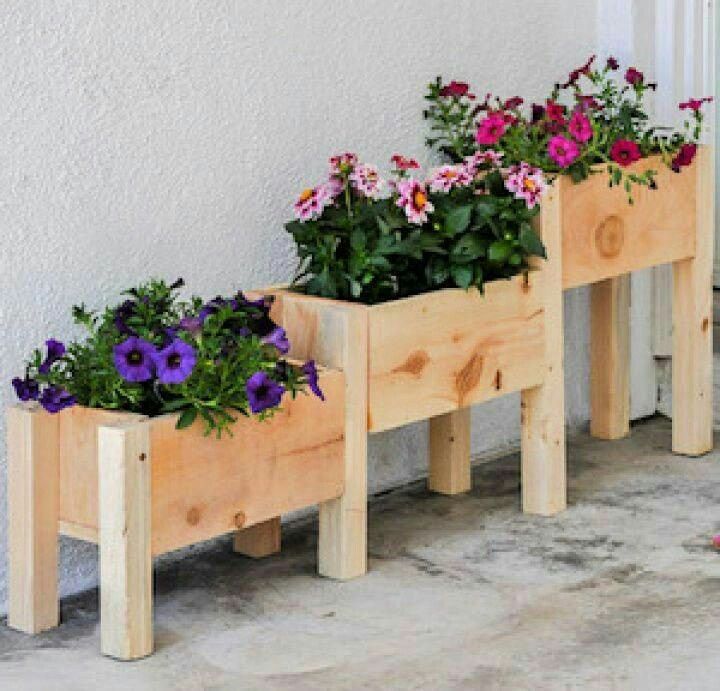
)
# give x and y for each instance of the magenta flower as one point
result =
(695, 104)
(684, 157)
(312, 202)
(634, 77)
(278, 338)
(580, 127)
(513, 103)
(342, 164)
(400, 163)
(414, 200)
(55, 399)
(134, 359)
(310, 371)
(488, 157)
(625, 152)
(716, 541)
(555, 112)
(563, 151)
(56, 350)
(456, 90)
(491, 129)
(26, 389)
(175, 363)
(366, 179)
(447, 177)
(612, 63)
(526, 183)
(263, 392)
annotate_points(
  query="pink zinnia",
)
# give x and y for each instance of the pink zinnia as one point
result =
(491, 129)
(311, 203)
(366, 180)
(580, 127)
(625, 152)
(343, 163)
(563, 150)
(479, 158)
(446, 177)
(414, 200)
(402, 163)
(526, 182)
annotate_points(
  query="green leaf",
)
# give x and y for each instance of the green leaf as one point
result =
(462, 275)
(530, 242)
(499, 251)
(458, 219)
(186, 418)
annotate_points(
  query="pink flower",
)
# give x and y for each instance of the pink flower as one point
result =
(311, 203)
(526, 182)
(586, 103)
(634, 76)
(443, 179)
(456, 89)
(563, 150)
(612, 63)
(684, 157)
(695, 103)
(716, 541)
(577, 73)
(342, 164)
(479, 158)
(414, 200)
(366, 180)
(580, 127)
(554, 111)
(624, 152)
(491, 129)
(513, 103)
(401, 163)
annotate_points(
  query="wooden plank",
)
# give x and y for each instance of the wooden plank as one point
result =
(202, 487)
(543, 407)
(78, 531)
(610, 358)
(692, 362)
(126, 630)
(336, 335)
(450, 453)
(448, 349)
(32, 519)
(260, 540)
(603, 236)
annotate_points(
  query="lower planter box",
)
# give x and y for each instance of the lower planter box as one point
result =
(432, 356)
(139, 488)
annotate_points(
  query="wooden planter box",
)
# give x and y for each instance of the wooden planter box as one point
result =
(431, 357)
(603, 239)
(139, 488)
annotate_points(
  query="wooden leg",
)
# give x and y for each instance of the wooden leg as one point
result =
(342, 545)
(610, 358)
(33, 496)
(692, 360)
(450, 453)
(125, 550)
(260, 540)
(543, 407)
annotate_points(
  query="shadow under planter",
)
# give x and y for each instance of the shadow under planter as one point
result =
(138, 488)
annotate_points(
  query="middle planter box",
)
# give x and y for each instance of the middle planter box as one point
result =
(432, 356)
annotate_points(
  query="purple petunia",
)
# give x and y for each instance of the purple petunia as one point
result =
(175, 363)
(310, 371)
(263, 392)
(122, 314)
(134, 359)
(193, 325)
(56, 350)
(26, 389)
(54, 399)
(278, 338)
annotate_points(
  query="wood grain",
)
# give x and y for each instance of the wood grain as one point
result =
(449, 447)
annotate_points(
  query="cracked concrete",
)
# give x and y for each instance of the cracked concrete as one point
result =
(620, 591)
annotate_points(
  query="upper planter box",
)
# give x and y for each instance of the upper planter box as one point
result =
(604, 236)
(433, 353)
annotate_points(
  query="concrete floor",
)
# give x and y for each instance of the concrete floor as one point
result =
(620, 592)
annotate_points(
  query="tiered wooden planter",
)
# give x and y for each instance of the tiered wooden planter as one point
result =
(138, 488)
(431, 357)
(603, 240)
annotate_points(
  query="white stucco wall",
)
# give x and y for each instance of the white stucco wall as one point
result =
(148, 137)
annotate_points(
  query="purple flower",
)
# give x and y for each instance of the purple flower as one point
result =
(26, 389)
(134, 359)
(263, 392)
(612, 63)
(175, 362)
(54, 399)
(278, 338)
(193, 325)
(55, 351)
(122, 313)
(310, 371)
(264, 302)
